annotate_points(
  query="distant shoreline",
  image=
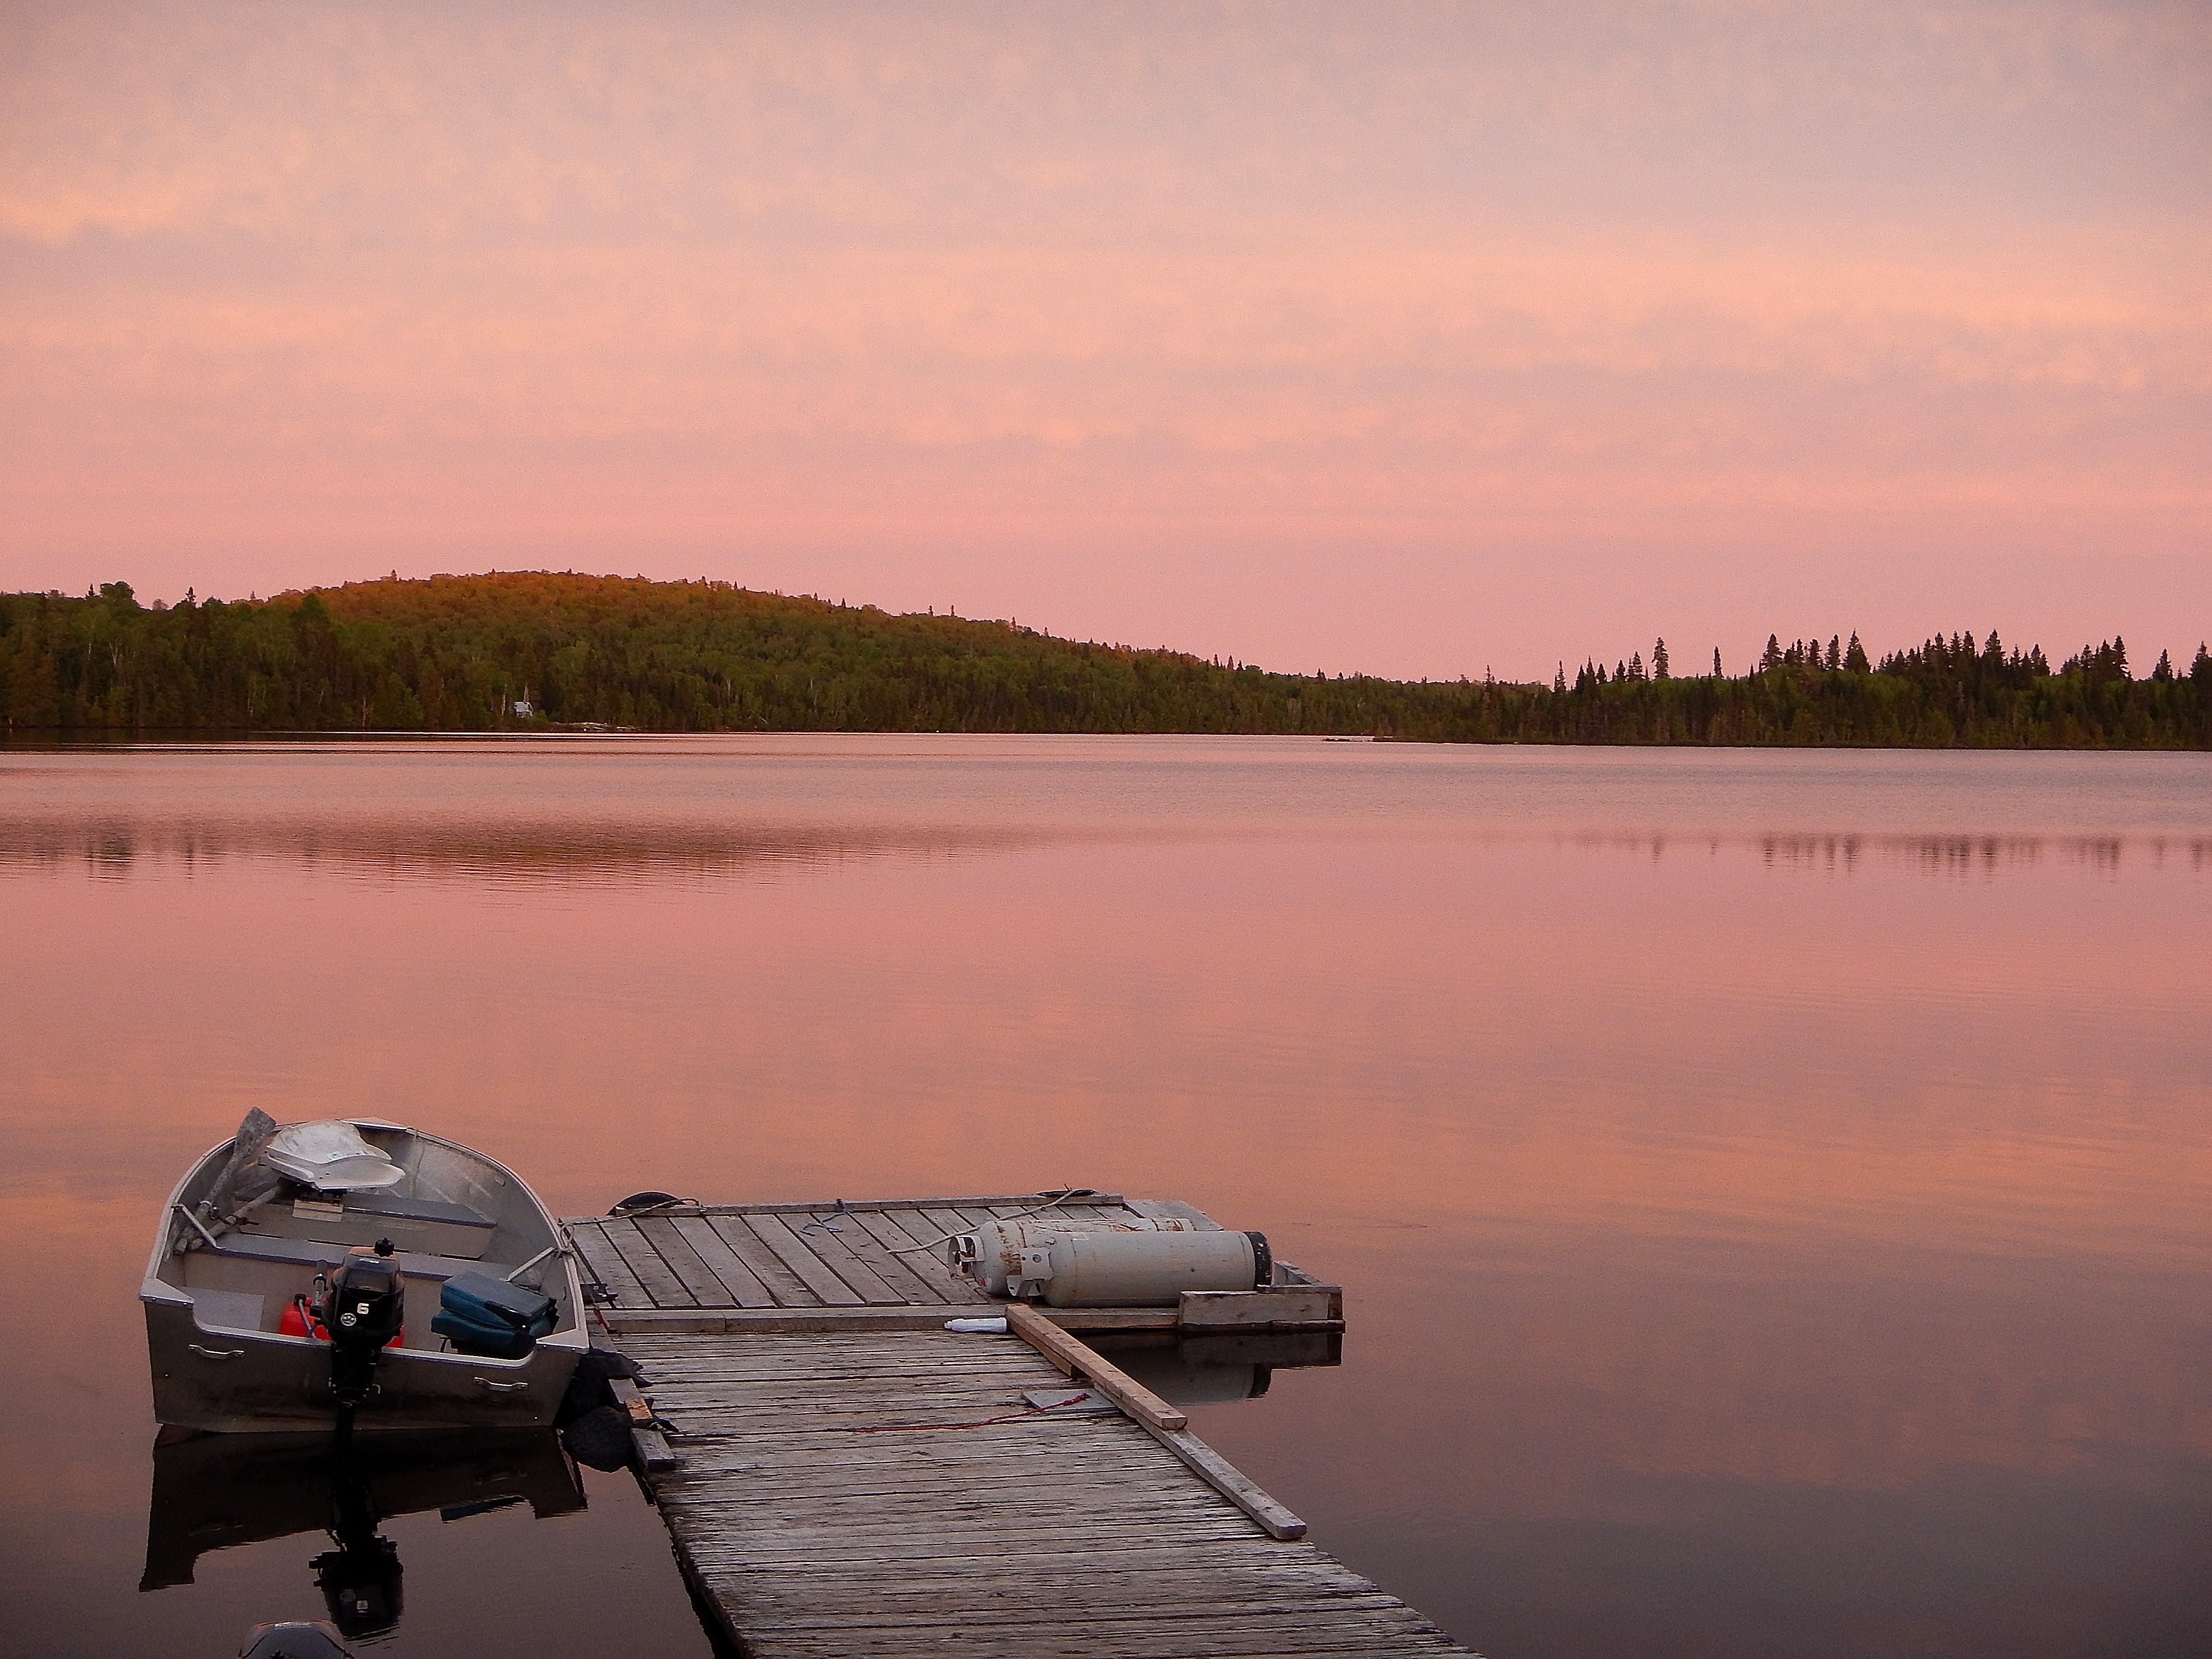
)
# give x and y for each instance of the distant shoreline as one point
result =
(564, 655)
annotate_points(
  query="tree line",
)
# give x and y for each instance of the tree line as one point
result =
(530, 650)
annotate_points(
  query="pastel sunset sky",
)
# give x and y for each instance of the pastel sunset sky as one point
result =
(1411, 339)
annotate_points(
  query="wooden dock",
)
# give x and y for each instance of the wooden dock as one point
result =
(843, 1475)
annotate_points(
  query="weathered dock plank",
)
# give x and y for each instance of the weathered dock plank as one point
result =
(846, 1477)
(877, 1263)
(892, 1493)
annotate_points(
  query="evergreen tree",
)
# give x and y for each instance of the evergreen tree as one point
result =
(1835, 653)
(457, 652)
(1659, 660)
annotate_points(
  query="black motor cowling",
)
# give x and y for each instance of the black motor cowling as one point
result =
(364, 1309)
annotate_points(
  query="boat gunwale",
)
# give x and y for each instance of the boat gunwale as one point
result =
(153, 1288)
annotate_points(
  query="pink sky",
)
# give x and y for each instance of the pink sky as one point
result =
(1413, 339)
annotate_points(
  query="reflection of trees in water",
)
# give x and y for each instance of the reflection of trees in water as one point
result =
(481, 850)
(1953, 855)
(614, 850)
(1944, 855)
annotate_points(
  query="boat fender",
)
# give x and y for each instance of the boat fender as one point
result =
(600, 1438)
(588, 1385)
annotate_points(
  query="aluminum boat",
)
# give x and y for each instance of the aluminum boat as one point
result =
(253, 1234)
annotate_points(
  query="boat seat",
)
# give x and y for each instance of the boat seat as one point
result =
(433, 1226)
(314, 1252)
(416, 1209)
(232, 1310)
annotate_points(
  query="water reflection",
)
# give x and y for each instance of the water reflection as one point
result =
(213, 1492)
(1773, 1189)
(1941, 855)
(570, 850)
(479, 850)
(1218, 1368)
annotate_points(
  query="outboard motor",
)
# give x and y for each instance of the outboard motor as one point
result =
(362, 1311)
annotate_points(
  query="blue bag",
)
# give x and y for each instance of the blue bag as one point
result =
(492, 1319)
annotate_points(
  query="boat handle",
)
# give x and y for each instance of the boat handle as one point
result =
(214, 1353)
(501, 1388)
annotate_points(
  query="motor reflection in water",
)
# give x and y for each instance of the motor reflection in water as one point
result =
(219, 1490)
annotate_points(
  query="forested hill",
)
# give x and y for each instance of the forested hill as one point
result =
(460, 653)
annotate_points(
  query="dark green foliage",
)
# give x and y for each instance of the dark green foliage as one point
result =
(457, 653)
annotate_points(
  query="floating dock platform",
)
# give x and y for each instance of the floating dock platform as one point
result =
(844, 1476)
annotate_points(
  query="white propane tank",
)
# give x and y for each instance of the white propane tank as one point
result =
(1152, 1270)
(1020, 1251)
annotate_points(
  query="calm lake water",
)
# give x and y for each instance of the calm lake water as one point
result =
(1774, 1189)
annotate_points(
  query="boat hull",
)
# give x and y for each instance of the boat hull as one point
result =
(243, 1382)
(211, 1302)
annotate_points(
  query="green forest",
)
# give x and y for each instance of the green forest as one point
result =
(538, 651)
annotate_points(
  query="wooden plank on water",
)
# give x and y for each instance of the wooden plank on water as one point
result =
(923, 1252)
(1227, 1479)
(684, 1262)
(661, 1284)
(864, 1482)
(653, 1453)
(1173, 1209)
(810, 1206)
(1279, 1307)
(604, 1265)
(772, 1231)
(743, 1284)
(936, 1225)
(785, 1285)
(1079, 1360)
(732, 1321)
(719, 1321)
(897, 1267)
(831, 1238)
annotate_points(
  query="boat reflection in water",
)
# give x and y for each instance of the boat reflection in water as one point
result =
(215, 1491)
(218, 1490)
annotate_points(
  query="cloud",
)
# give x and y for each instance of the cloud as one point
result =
(336, 122)
(1054, 276)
